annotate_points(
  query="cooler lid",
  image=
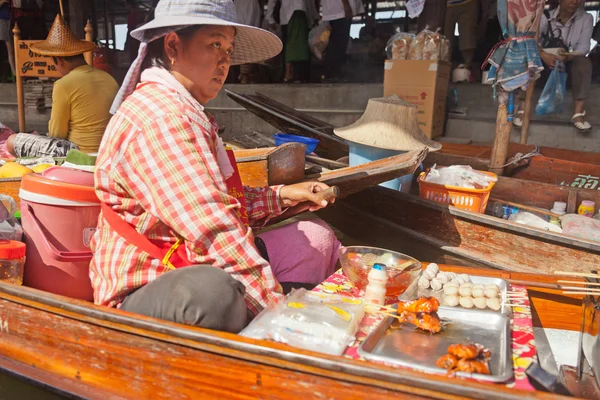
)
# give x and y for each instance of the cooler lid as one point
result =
(80, 189)
(69, 175)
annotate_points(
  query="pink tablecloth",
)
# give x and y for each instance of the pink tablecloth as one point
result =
(522, 329)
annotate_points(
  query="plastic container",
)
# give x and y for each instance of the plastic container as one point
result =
(586, 208)
(311, 144)
(59, 219)
(402, 270)
(376, 289)
(559, 208)
(361, 154)
(12, 261)
(474, 200)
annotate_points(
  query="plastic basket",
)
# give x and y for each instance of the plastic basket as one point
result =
(474, 200)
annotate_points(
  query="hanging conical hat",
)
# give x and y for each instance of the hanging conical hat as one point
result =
(61, 42)
(388, 123)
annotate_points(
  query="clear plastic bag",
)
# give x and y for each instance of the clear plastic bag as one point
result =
(552, 99)
(416, 47)
(398, 46)
(10, 229)
(429, 45)
(309, 320)
(527, 218)
(461, 176)
(318, 38)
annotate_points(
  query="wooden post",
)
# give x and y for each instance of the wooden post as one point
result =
(19, 79)
(433, 16)
(77, 16)
(527, 112)
(501, 140)
(89, 36)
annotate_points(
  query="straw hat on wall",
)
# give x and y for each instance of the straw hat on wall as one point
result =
(388, 123)
(61, 42)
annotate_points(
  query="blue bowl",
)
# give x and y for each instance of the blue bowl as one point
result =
(311, 144)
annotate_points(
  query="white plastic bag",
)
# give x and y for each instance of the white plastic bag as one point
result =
(527, 218)
(309, 320)
(318, 38)
(581, 227)
(461, 176)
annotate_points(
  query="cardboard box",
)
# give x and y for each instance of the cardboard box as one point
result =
(424, 83)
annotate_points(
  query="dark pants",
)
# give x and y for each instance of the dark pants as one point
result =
(301, 68)
(579, 77)
(198, 295)
(579, 71)
(336, 49)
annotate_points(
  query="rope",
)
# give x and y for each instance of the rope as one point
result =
(520, 157)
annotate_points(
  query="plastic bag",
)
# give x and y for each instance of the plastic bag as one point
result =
(527, 218)
(416, 47)
(581, 227)
(398, 46)
(461, 176)
(310, 320)
(10, 229)
(432, 45)
(318, 38)
(552, 99)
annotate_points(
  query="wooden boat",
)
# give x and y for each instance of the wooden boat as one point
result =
(75, 349)
(473, 238)
(557, 166)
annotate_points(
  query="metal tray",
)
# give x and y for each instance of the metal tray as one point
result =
(414, 348)
(414, 292)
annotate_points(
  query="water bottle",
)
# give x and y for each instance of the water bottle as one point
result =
(376, 288)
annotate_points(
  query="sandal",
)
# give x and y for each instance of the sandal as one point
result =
(518, 119)
(581, 126)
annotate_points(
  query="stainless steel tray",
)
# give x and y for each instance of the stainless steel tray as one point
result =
(414, 348)
(414, 292)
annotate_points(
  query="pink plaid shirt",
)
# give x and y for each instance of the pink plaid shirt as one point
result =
(158, 169)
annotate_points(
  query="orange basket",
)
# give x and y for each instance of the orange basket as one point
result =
(466, 199)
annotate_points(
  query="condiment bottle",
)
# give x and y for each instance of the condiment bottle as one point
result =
(559, 208)
(376, 288)
(586, 208)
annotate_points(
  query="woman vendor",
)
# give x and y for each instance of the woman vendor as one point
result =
(171, 194)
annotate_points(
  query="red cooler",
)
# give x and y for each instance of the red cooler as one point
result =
(59, 214)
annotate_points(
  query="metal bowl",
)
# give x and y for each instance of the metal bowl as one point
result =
(357, 261)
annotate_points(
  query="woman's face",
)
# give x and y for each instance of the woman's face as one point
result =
(569, 6)
(201, 63)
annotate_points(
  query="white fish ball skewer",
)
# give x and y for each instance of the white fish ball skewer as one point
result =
(494, 303)
(478, 293)
(480, 302)
(451, 291)
(451, 300)
(466, 301)
(423, 283)
(464, 291)
(436, 284)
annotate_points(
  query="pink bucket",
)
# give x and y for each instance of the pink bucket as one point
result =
(59, 219)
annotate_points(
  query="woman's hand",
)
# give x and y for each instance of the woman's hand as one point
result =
(291, 195)
(550, 59)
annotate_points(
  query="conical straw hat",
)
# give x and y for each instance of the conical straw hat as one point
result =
(388, 123)
(61, 42)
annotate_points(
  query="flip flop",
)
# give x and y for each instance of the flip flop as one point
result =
(581, 126)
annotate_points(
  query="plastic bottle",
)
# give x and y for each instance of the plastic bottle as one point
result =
(586, 208)
(375, 290)
(559, 208)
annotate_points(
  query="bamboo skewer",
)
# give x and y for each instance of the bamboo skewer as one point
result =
(584, 293)
(581, 283)
(581, 274)
(597, 290)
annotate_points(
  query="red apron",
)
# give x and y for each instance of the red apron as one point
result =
(173, 255)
